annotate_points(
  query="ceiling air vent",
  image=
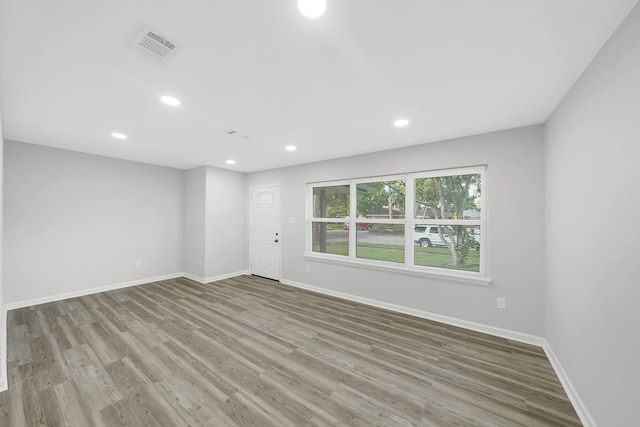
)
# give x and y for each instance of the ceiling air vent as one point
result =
(154, 45)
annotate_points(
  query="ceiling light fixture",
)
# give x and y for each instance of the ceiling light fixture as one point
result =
(231, 162)
(170, 100)
(312, 8)
(290, 148)
(118, 135)
(400, 123)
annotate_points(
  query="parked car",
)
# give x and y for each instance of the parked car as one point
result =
(427, 236)
(360, 225)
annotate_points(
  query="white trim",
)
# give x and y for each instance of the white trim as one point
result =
(4, 384)
(4, 374)
(577, 403)
(58, 297)
(420, 174)
(383, 178)
(463, 170)
(410, 226)
(114, 286)
(409, 221)
(97, 290)
(83, 292)
(491, 330)
(330, 183)
(431, 221)
(353, 224)
(438, 273)
(572, 394)
(484, 226)
(215, 278)
(251, 223)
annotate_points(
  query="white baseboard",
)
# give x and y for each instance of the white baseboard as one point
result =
(96, 290)
(57, 297)
(4, 382)
(491, 330)
(204, 280)
(88, 291)
(577, 403)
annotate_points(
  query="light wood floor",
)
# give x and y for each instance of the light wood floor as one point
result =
(249, 351)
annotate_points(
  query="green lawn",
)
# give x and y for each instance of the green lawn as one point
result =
(334, 248)
(441, 257)
(425, 257)
(392, 253)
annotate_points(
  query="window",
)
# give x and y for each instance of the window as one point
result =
(380, 205)
(427, 222)
(451, 206)
(331, 204)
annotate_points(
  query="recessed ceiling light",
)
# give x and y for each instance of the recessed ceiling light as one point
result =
(170, 100)
(312, 8)
(231, 162)
(400, 123)
(118, 135)
(290, 148)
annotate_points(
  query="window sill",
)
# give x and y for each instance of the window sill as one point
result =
(452, 276)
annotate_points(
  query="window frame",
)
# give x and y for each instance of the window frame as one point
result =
(482, 222)
(310, 219)
(353, 219)
(409, 222)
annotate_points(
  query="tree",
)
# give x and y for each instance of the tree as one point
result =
(447, 197)
(328, 202)
(377, 198)
(426, 197)
(331, 202)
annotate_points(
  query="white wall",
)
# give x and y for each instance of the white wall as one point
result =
(226, 207)
(3, 318)
(215, 225)
(592, 206)
(515, 227)
(75, 221)
(195, 193)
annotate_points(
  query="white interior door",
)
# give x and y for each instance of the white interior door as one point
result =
(265, 231)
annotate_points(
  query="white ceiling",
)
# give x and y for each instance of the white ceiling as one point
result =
(331, 86)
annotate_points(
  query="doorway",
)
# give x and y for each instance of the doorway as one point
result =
(264, 231)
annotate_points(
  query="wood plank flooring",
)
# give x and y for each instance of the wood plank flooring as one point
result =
(252, 352)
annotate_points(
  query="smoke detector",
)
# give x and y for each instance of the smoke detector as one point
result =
(154, 45)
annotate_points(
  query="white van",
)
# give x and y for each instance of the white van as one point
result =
(427, 236)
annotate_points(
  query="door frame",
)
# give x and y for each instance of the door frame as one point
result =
(251, 222)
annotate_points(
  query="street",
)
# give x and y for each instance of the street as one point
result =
(366, 237)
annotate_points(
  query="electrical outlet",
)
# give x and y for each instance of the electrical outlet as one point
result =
(502, 303)
(308, 269)
(138, 264)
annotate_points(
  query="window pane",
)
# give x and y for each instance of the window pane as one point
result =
(448, 197)
(384, 243)
(381, 199)
(331, 201)
(330, 238)
(453, 247)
